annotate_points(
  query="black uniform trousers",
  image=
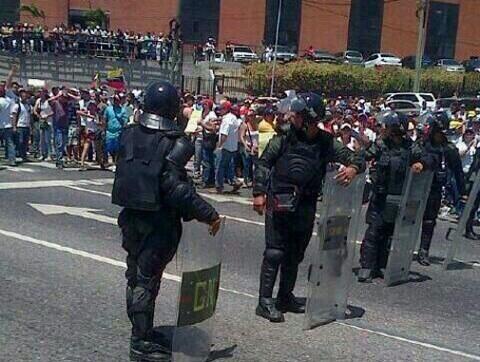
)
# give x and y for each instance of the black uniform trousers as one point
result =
(151, 240)
(375, 244)
(430, 218)
(287, 235)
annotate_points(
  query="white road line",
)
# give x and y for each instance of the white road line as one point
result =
(51, 183)
(176, 278)
(19, 169)
(417, 343)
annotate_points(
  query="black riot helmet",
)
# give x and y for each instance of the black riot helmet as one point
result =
(310, 106)
(438, 122)
(161, 98)
(395, 121)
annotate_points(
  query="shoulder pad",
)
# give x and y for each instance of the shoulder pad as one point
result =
(181, 152)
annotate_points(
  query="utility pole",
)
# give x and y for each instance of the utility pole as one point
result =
(422, 15)
(275, 50)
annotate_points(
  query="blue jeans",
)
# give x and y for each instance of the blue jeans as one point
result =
(61, 135)
(23, 138)
(35, 139)
(46, 141)
(208, 164)
(10, 152)
(224, 162)
(197, 161)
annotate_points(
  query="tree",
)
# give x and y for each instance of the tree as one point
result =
(33, 11)
(96, 17)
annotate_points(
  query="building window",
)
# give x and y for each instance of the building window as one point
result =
(441, 30)
(199, 20)
(290, 22)
(9, 11)
(365, 26)
(78, 18)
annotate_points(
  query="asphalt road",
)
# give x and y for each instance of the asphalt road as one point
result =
(62, 287)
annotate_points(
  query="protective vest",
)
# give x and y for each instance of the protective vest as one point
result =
(142, 157)
(392, 169)
(440, 164)
(302, 165)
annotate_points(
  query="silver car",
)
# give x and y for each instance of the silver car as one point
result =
(450, 65)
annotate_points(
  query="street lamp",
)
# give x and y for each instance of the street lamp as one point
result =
(275, 50)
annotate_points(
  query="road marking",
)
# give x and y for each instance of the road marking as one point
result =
(19, 169)
(411, 341)
(75, 211)
(176, 278)
(51, 183)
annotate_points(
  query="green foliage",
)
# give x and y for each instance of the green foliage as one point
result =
(96, 17)
(33, 11)
(335, 80)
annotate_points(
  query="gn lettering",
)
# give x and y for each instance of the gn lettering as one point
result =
(205, 295)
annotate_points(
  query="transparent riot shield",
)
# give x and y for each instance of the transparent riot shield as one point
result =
(408, 225)
(459, 232)
(330, 274)
(199, 257)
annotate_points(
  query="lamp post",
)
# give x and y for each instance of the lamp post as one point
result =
(279, 16)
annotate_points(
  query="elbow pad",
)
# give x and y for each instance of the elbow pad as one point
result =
(181, 152)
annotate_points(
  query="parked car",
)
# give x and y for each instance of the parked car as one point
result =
(417, 98)
(219, 58)
(284, 54)
(471, 103)
(472, 64)
(322, 56)
(350, 57)
(405, 107)
(410, 62)
(450, 65)
(382, 59)
(243, 54)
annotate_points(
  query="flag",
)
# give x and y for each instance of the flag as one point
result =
(116, 80)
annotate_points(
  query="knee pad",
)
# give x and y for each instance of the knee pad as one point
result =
(144, 293)
(274, 256)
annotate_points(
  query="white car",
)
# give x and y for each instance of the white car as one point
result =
(450, 65)
(243, 54)
(406, 107)
(417, 98)
(382, 59)
(219, 58)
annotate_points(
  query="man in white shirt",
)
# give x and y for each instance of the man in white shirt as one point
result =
(227, 145)
(6, 126)
(22, 120)
(466, 148)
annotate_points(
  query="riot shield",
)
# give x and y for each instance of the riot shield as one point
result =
(408, 225)
(459, 232)
(330, 274)
(199, 257)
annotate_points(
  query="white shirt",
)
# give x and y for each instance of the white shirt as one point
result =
(25, 116)
(45, 110)
(468, 154)
(5, 112)
(229, 127)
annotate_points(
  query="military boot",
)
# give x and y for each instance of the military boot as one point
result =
(365, 275)
(266, 308)
(422, 257)
(142, 350)
(290, 303)
(469, 233)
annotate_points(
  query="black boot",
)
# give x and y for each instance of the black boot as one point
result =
(142, 350)
(290, 303)
(469, 233)
(422, 257)
(266, 308)
(365, 275)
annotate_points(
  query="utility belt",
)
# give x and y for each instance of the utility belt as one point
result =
(286, 197)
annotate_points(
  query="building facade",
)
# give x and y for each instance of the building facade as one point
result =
(333, 25)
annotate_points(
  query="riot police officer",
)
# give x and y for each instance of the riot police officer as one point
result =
(151, 185)
(287, 181)
(446, 160)
(390, 158)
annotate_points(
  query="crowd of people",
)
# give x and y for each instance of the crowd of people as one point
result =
(90, 41)
(72, 127)
(82, 127)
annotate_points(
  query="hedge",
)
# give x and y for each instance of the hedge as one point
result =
(335, 80)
